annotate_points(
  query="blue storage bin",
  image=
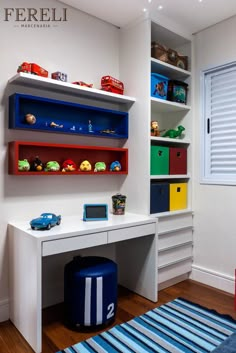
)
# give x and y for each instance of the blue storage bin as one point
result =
(90, 291)
(159, 201)
(159, 86)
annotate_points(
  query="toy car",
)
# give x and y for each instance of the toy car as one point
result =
(82, 83)
(33, 69)
(45, 221)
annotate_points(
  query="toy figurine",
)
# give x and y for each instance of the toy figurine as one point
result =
(174, 133)
(155, 128)
(52, 124)
(30, 119)
(115, 166)
(90, 126)
(36, 165)
(23, 165)
(52, 166)
(68, 166)
(60, 76)
(107, 131)
(85, 166)
(100, 167)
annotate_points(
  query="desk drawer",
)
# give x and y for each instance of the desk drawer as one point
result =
(169, 223)
(131, 232)
(73, 243)
(178, 253)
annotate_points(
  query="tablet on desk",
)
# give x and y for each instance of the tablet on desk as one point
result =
(95, 212)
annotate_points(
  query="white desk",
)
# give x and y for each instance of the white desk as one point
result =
(137, 261)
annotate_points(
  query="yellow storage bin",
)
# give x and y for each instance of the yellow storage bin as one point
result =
(178, 196)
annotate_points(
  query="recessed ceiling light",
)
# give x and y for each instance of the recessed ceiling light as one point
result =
(144, 10)
(160, 7)
(149, 1)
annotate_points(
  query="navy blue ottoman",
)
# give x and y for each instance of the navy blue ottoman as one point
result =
(90, 291)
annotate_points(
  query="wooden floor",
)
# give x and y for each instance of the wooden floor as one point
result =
(56, 336)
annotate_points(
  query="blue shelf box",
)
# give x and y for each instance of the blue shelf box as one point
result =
(43, 114)
(159, 86)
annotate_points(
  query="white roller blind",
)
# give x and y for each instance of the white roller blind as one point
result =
(219, 115)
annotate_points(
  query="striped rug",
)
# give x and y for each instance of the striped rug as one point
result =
(176, 327)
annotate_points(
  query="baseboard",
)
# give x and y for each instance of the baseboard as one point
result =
(213, 278)
(4, 310)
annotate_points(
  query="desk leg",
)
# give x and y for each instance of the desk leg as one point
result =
(137, 265)
(25, 267)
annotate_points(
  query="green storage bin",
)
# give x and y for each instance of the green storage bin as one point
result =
(159, 160)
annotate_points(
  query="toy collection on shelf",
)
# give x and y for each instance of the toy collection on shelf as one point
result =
(163, 87)
(171, 133)
(66, 166)
(108, 83)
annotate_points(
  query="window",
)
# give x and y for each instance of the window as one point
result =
(219, 125)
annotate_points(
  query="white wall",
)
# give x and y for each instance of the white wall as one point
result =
(86, 49)
(214, 206)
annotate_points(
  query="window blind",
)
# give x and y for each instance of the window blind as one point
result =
(220, 124)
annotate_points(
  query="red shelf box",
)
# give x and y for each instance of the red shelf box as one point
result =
(19, 150)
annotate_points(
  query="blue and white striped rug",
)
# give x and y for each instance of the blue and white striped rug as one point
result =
(176, 327)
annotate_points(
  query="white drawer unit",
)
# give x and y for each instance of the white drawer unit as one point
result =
(174, 222)
(169, 239)
(174, 270)
(174, 254)
(175, 246)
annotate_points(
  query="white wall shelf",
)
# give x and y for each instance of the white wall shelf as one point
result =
(164, 106)
(175, 176)
(69, 88)
(169, 70)
(169, 141)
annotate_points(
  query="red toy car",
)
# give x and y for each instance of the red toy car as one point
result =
(33, 69)
(81, 83)
(111, 84)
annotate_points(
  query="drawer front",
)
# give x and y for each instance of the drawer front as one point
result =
(131, 232)
(169, 223)
(174, 270)
(171, 255)
(178, 237)
(73, 243)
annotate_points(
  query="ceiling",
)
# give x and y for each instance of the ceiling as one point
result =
(194, 15)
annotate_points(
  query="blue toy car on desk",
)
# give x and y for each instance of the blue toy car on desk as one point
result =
(45, 221)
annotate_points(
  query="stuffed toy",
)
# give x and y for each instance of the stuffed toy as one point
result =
(23, 165)
(68, 166)
(115, 166)
(85, 166)
(100, 167)
(52, 166)
(37, 165)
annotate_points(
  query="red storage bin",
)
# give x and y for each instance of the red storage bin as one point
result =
(177, 160)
